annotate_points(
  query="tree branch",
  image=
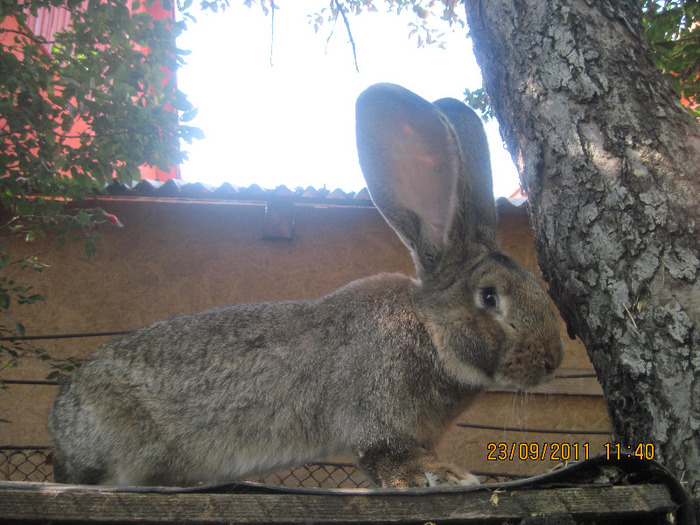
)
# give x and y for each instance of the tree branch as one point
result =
(34, 38)
(341, 10)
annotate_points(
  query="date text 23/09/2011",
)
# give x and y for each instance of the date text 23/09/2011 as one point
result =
(560, 451)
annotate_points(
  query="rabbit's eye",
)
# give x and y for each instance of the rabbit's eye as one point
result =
(489, 298)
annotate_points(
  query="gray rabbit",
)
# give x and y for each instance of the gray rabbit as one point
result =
(377, 370)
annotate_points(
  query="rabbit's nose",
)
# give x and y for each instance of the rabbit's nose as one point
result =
(553, 358)
(549, 366)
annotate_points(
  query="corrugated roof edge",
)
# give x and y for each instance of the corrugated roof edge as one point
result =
(177, 189)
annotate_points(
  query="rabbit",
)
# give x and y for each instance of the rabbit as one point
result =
(377, 370)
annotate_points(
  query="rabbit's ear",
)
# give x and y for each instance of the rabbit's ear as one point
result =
(475, 147)
(413, 161)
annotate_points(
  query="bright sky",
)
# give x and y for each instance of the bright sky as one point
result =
(292, 122)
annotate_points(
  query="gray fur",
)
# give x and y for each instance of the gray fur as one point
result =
(377, 370)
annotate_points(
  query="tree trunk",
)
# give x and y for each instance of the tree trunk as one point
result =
(610, 162)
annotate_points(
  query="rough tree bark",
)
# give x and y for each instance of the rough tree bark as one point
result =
(610, 162)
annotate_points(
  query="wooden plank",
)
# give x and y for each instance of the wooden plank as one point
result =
(358, 506)
(566, 386)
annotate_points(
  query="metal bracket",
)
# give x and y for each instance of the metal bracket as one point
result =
(279, 221)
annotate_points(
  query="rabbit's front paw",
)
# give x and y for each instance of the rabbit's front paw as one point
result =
(445, 474)
(414, 468)
(430, 475)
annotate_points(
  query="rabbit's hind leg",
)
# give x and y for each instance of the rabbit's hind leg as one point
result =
(75, 472)
(110, 433)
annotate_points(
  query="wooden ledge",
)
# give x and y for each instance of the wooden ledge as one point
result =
(624, 491)
(44, 503)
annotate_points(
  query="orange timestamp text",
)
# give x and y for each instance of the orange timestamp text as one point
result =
(643, 451)
(559, 451)
(546, 451)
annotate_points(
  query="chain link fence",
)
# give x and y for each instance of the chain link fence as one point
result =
(26, 464)
(34, 464)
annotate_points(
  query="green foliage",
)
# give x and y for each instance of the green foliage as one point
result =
(423, 29)
(673, 32)
(478, 100)
(96, 106)
(77, 109)
(11, 348)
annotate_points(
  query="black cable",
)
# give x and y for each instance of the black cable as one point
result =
(61, 336)
(534, 430)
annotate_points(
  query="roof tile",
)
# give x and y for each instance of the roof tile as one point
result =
(179, 189)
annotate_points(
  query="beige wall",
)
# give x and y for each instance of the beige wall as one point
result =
(175, 257)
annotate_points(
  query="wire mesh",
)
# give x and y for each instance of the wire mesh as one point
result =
(34, 464)
(26, 464)
(325, 475)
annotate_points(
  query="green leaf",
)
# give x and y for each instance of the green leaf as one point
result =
(10, 353)
(187, 116)
(30, 299)
(83, 218)
(479, 100)
(90, 248)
